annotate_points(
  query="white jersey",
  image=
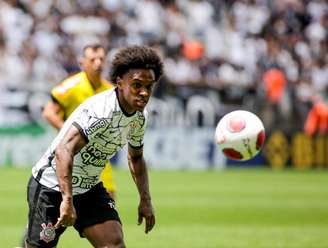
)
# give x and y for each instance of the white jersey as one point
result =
(106, 128)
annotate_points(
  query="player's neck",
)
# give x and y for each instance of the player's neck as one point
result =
(126, 109)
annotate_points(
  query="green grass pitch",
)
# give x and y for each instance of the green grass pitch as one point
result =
(213, 209)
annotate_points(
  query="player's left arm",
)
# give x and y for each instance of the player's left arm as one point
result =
(139, 174)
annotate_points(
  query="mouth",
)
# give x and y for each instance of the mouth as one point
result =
(97, 68)
(141, 102)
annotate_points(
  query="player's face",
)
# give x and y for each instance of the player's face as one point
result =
(93, 60)
(135, 88)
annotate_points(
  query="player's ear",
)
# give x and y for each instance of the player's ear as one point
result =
(81, 62)
(119, 82)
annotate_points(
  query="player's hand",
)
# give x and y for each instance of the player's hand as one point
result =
(146, 211)
(67, 214)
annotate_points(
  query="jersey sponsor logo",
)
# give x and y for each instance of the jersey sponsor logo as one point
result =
(102, 148)
(99, 124)
(83, 182)
(92, 155)
(48, 232)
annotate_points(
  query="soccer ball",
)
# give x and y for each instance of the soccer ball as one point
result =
(240, 135)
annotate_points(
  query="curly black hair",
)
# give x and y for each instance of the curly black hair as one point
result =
(135, 57)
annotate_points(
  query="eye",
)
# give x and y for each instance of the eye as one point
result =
(136, 85)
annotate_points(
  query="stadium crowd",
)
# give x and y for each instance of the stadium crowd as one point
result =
(270, 56)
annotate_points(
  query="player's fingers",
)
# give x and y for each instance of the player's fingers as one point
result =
(64, 222)
(153, 221)
(139, 219)
(150, 222)
(59, 223)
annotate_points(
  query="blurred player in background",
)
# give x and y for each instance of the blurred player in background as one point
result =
(70, 93)
(64, 189)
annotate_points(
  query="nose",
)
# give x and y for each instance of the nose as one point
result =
(144, 92)
(97, 62)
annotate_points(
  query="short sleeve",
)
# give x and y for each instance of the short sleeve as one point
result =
(88, 123)
(137, 131)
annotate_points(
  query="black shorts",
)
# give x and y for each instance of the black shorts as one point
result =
(92, 207)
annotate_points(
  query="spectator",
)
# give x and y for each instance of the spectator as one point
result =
(240, 40)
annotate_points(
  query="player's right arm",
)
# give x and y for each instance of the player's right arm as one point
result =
(72, 143)
(52, 112)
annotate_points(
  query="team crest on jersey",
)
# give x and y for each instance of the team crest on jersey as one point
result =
(134, 125)
(48, 232)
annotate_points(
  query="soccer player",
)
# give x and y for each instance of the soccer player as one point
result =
(70, 93)
(65, 189)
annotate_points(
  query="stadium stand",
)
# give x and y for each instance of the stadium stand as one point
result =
(210, 47)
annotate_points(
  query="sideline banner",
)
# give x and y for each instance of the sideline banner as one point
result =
(180, 148)
(165, 148)
(23, 146)
(296, 150)
(290, 150)
(176, 148)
